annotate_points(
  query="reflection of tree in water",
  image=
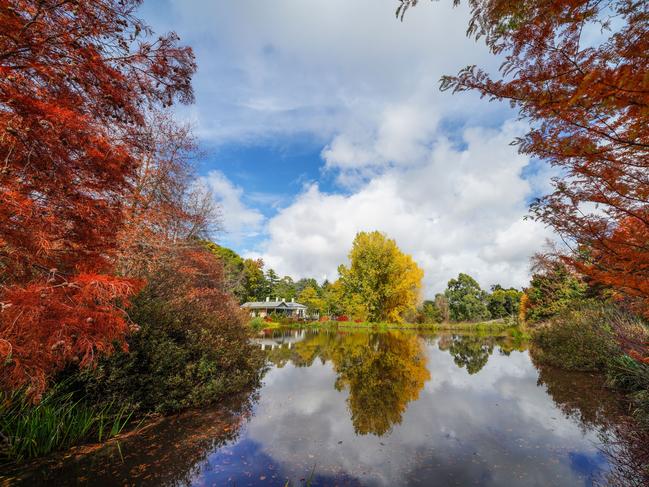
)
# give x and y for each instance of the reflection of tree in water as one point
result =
(317, 344)
(169, 453)
(580, 395)
(584, 397)
(382, 371)
(469, 351)
(626, 447)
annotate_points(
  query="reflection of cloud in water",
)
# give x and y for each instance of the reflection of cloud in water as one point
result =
(405, 413)
(494, 427)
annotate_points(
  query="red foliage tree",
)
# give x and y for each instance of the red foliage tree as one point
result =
(76, 81)
(578, 70)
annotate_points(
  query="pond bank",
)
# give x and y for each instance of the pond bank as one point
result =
(496, 326)
(145, 441)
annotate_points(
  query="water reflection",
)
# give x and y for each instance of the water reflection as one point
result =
(170, 452)
(469, 352)
(383, 373)
(383, 409)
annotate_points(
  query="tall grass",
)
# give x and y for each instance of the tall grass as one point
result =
(58, 422)
(632, 376)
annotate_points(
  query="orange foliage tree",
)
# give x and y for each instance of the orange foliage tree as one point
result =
(578, 70)
(76, 82)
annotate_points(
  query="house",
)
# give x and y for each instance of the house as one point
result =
(265, 308)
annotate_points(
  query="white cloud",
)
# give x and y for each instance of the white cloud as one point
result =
(426, 167)
(455, 210)
(239, 221)
(467, 425)
(269, 69)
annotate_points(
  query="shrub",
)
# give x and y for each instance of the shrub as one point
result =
(257, 323)
(192, 347)
(579, 339)
(282, 319)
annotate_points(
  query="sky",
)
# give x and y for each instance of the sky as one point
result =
(318, 119)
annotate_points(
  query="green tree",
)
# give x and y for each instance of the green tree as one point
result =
(306, 282)
(381, 279)
(255, 282)
(466, 300)
(285, 288)
(332, 295)
(553, 289)
(429, 313)
(503, 302)
(233, 269)
(272, 280)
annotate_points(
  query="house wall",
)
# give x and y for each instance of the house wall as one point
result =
(262, 313)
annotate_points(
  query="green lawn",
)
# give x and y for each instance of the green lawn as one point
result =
(491, 326)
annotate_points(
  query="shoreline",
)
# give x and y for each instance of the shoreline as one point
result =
(489, 327)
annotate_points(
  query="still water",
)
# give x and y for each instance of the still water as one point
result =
(376, 409)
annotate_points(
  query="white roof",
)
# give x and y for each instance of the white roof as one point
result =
(273, 305)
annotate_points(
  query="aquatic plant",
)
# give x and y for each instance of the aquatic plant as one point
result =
(59, 421)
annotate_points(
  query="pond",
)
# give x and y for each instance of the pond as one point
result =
(376, 409)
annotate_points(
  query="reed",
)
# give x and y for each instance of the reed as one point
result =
(57, 422)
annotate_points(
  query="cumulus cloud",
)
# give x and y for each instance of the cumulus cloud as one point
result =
(433, 170)
(452, 426)
(458, 209)
(239, 220)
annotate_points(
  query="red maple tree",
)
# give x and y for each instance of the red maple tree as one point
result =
(578, 70)
(76, 82)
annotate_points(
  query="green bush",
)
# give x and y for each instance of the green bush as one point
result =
(257, 323)
(579, 339)
(175, 361)
(282, 319)
(554, 290)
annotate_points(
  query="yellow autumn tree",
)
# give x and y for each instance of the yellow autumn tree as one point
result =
(312, 300)
(381, 279)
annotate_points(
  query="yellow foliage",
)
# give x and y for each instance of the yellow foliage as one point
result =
(522, 308)
(382, 283)
(311, 299)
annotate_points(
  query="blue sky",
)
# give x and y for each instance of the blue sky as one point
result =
(322, 118)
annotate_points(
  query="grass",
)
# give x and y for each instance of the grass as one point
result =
(493, 327)
(58, 422)
(632, 377)
(307, 481)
